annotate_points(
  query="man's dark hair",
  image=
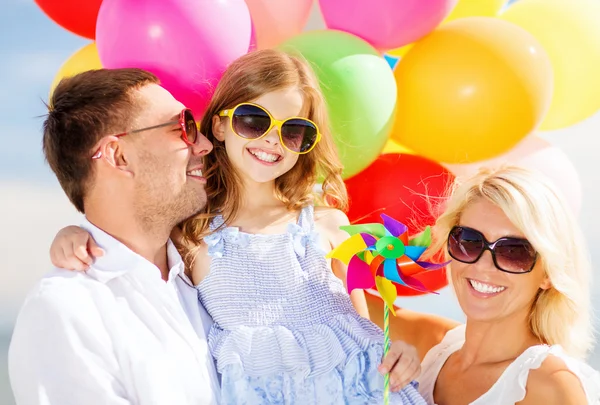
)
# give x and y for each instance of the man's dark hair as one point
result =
(83, 109)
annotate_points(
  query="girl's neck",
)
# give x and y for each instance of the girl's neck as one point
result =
(496, 342)
(256, 196)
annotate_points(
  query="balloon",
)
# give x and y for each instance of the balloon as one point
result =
(393, 147)
(537, 154)
(386, 24)
(84, 59)
(476, 8)
(360, 91)
(471, 90)
(407, 188)
(276, 21)
(391, 60)
(400, 52)
(253, 44)
(186, 43)
(77, 16)
(569, 31)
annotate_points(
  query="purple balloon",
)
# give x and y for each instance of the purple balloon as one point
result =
(188, 44)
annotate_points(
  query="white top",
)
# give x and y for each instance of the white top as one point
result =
(511, 386)
(117, 334)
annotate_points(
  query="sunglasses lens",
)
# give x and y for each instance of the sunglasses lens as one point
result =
(191, 129)
(514, 255)
(299, 135)
(250, 121)
(465, 245)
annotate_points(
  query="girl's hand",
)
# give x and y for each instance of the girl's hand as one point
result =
(403, 364)
(74, 248)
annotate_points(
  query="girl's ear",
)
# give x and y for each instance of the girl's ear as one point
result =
(218, 128)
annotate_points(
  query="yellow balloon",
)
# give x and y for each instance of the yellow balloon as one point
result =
(393, 147)
(84, 59)
(476, 8)
(400, 52)
(471, 90)
(569, 31)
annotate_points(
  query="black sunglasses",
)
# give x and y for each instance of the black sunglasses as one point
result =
(511, 255)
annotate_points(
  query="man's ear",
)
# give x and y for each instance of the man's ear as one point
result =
(112, 152)
(218, 128)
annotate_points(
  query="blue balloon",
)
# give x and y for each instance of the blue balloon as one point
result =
(391, 60)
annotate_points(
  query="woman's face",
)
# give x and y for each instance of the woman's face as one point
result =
(484, 292)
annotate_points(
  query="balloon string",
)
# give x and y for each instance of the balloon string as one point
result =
(386, 348)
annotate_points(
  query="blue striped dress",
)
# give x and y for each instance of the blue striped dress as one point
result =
(285, 330)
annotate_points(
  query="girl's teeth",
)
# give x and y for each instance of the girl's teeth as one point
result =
(196, 173)
(265, 157)
(485, 288)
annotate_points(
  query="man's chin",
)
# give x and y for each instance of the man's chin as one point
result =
(192, 207)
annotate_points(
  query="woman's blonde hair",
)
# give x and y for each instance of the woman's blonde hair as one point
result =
(246, 79)
(562, 313)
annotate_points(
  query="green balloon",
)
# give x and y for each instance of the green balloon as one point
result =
(360, 91)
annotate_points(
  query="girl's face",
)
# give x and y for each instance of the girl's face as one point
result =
(265, 159)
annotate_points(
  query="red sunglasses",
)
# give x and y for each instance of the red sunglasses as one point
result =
(189, 129)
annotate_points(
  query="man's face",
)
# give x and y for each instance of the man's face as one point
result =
(169, 185)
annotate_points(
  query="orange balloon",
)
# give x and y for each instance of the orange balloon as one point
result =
(471, 90)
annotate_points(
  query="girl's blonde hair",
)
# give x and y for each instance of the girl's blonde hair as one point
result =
(246, 79)
(562, 313)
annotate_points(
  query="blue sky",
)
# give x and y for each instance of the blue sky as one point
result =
(32, 49)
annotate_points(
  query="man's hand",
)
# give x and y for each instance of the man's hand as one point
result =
(402, 362)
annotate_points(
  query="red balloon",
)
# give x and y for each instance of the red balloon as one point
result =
(408, 188)
(77, 16)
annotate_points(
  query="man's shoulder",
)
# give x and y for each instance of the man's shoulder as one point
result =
(61, 293)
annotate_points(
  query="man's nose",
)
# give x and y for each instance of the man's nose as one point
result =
(202, 146)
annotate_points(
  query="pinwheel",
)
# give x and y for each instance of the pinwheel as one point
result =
(382, 255)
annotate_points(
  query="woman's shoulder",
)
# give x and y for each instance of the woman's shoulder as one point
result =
(546, 374)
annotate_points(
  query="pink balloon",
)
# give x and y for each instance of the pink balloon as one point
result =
(386, 24)
(186, 43)
(535, 153)
(278, 20)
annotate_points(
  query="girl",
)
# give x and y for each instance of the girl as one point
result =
(285, 330)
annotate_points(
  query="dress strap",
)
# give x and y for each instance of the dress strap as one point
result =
(306, 220)
(436, 357)
(216, 223)
(511, 387)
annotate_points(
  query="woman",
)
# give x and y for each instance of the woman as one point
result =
(522, 277)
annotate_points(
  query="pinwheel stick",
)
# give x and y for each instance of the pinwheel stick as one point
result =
(386, 348)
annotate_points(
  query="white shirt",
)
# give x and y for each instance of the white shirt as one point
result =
(511, 387)
(117, 334)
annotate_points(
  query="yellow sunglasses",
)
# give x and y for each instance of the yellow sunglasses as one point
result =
(251, 121)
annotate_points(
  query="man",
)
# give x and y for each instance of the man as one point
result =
(130, 329)
(118, 334)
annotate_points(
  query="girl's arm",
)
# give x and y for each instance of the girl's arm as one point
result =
(328, 222)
